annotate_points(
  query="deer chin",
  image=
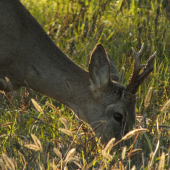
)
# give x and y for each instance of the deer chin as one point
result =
(3, 84)
(106, 129)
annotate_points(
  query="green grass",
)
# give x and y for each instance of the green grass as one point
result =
(76, 27)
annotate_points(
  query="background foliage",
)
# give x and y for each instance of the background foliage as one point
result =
(76, 26)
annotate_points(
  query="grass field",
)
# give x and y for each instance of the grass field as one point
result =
(36, 132)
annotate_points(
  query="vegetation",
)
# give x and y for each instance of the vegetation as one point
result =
(48, 135)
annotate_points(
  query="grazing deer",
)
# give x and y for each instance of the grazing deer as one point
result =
(29, 57)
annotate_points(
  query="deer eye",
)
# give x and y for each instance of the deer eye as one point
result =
(118, 117)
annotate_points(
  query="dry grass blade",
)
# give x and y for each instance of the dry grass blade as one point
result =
(2, 92)
(6, 124)
(70, 154)
(107, 155)
(65, 123)
(166, 127)
(57, 152)
(150, 160)
(121, 166)
(124, 152)
(53, 166)
(4, 135)
(66, 131)
(133, 168)
(10, 164)
(9, 84)
(32, 147)
(37, 106)
(24, 166)
(156, 149)
(152, 155)
(76, 161)
(14, 162)
(162, 161)
(42, 166)
(133, 132)
(78, 164)
(50, 105)
(23, 159)
(65, 167)
(37, 142)
(109, 145)
(90, 164)
(148, 97)
(139, 118)
(106, 150)
(166, 106)
(136, 151)
(2, 165)
(57, 111)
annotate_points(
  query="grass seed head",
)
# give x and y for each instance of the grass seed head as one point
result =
(162, 161)
(37, 106)
(124, 152)
(70, 154)
(166, 106)
(22, 159)
(148, 97)
(109, 145)
(65, 123)
(66, 131)
(50, 105)
(32, 147)
(2, 165)
(133, 132)
(6, 124)
(135, 151)
(8, 161)
(57, 152)
(37, 142)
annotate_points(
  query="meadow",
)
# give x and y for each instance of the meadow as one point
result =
(38, 133)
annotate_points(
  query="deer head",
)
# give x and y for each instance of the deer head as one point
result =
(117, 103)
(28, 57)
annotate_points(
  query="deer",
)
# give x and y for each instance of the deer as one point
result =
(28, 57)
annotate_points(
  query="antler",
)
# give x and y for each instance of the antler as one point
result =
(136, 79)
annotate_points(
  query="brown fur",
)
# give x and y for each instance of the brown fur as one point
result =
(29, 57)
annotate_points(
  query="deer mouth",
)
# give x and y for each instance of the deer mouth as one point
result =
(105, 131)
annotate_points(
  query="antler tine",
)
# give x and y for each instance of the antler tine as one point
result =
(136, 70)
(137, 57)
(147, 70)
(136, 79)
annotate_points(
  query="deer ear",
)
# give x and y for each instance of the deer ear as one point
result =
(113, 71)
(99, 67)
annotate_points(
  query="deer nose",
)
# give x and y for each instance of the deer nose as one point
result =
(118, 117)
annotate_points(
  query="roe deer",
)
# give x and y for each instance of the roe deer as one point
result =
(29, 56)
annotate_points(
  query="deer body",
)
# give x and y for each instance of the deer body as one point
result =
(28, 57)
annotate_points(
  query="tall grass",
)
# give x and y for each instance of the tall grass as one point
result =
(38, 133)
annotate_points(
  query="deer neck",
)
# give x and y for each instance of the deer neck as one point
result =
(68, 83)
(33, 60)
